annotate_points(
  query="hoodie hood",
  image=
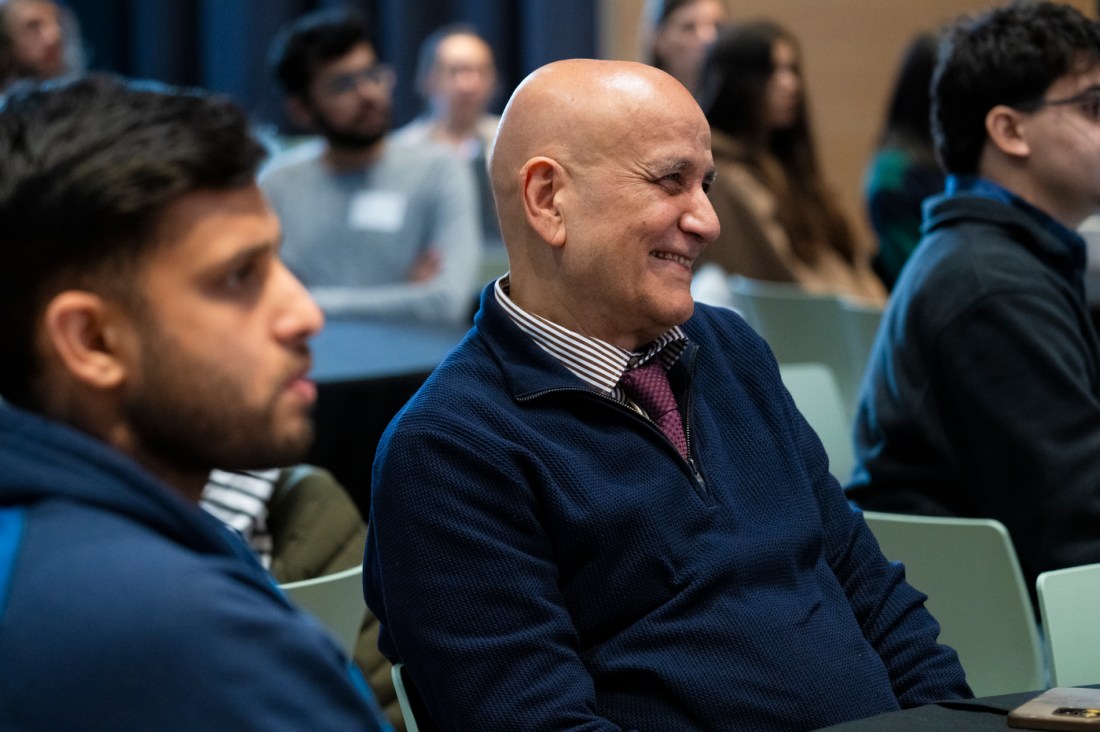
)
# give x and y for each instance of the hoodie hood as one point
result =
(1061, 249)
(47, 460)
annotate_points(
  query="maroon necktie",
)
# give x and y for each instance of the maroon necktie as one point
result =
(649, 388)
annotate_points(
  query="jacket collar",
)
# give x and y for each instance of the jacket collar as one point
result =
(527, 369)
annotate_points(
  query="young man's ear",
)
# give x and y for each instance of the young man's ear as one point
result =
(541, 181)
(86, 335)
(1007, 130)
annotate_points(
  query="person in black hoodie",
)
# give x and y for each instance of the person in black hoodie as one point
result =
(982, 397)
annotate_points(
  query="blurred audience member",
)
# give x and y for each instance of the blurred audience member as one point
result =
(457, 77)
(373, 227)
(903, 171)
(677, 33)
(982, 396)
(780, 222)
(39, 39)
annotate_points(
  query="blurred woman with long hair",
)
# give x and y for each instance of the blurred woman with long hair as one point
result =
(780, 221)
(677, 33)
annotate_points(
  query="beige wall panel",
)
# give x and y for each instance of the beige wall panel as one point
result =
(851, 49)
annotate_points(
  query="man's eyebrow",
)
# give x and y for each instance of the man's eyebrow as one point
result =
(680, 165)
(258, 249)
(674, 165)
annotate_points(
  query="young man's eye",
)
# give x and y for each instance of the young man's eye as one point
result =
(242, 277)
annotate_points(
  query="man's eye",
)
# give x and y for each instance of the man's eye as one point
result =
(242, 276)
(1092, 106)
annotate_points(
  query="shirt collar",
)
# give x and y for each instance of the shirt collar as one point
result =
(597, 363)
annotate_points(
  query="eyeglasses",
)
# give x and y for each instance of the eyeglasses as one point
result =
(1088, 101)
(378, 74)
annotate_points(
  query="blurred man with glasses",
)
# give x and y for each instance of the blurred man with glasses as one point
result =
(373, 227)
(982, 396)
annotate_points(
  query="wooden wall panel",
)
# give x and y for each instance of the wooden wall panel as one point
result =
(850, 48)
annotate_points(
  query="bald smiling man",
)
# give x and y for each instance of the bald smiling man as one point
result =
(603, 510)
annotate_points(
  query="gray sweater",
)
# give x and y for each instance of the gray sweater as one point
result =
(352, 237)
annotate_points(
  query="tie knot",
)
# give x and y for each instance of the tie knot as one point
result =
(649, 388)
(645, 383)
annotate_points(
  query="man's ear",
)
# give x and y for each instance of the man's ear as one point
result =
(1007, 130)
(86, 335)
(299, 112)
(541, 181)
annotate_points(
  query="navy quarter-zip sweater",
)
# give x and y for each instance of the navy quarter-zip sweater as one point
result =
(542, 558)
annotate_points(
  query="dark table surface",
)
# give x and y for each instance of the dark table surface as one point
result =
(365, 372)
(987, 713)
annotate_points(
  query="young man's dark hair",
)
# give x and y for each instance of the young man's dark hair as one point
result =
(81, 193)
(1008, 57)
(312, 41)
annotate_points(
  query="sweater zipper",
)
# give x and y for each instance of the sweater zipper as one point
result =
(702, 484)
(695, 474)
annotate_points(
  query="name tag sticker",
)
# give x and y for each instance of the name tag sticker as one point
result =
(377, 211)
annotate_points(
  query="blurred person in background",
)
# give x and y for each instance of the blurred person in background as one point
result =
(457, 77)
(677, 33)
(780, 220)
(982, 393)
(39, 39)
(903, 171)
(375, 228)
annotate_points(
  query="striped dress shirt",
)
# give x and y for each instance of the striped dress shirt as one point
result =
(597, 363)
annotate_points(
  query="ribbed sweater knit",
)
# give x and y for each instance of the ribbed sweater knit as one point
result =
(542, 558)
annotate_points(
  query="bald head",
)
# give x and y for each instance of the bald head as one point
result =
(600, 172)
(570, 111)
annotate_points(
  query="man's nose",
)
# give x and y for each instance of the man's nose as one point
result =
(301, 317)
(700, 218)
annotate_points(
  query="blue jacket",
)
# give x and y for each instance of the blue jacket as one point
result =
(124, 607)
(542, 558)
